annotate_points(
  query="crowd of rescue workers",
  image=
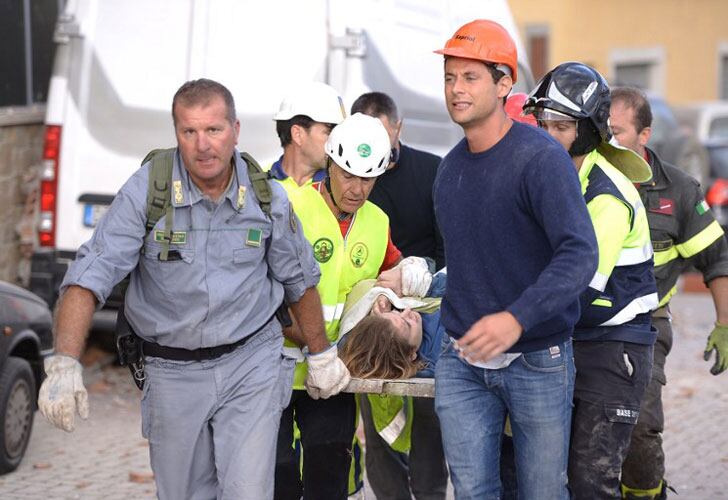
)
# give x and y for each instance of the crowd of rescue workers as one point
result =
(255, 294)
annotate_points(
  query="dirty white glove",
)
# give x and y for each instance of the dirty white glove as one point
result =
(327, 374)
(416, 277)
(62, 393)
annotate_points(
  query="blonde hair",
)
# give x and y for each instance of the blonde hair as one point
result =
(374, 350)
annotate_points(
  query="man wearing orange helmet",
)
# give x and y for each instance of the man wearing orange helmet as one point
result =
(520, 248)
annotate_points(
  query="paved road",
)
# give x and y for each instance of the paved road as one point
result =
(696, 407)
(107, 458)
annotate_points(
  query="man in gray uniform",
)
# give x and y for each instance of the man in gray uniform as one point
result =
(216, 378)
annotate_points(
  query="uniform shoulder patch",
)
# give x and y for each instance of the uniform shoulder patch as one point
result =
(702, 207)
(292, 222)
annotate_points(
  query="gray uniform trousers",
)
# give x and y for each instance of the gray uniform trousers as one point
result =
(212, 425)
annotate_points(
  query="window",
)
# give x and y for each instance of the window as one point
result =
(718, 128)
(27, 49)
(636, 75)
(639, 67)
(537, 47)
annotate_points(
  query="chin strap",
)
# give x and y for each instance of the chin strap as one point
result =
(327, 183)
(587, 139)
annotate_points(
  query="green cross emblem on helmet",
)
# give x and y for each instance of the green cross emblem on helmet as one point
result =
(364, 150)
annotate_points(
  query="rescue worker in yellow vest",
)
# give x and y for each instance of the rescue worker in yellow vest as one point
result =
(303, 123)
(684, 233)
(351, 242)
(613, 339)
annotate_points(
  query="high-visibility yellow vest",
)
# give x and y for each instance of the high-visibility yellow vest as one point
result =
(344, 260)
(624, 280)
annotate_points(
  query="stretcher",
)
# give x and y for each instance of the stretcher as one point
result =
(418, 387)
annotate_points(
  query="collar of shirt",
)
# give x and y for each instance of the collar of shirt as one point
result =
(277, 172)
(590, 160)
(184, 193)
(660, 178)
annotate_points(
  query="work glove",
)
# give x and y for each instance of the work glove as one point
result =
(416, 277)
(718, 340)
(62, 393)
(327, 374)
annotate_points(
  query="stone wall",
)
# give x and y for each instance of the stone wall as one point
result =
(21, 149)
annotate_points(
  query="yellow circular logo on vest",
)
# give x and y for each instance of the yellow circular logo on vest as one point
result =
(323, 249)
(359, 253)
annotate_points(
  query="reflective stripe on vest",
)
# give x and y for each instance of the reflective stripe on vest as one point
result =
(639, 305)
(599, 281)
(632, 256)
(392, 419)
(630, 288)
(392, 431)
(333, 312)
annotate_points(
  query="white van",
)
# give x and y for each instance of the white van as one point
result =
(119, 62)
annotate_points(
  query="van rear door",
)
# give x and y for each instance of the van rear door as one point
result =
(387, 45)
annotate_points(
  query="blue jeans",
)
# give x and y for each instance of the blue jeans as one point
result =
(472, 403)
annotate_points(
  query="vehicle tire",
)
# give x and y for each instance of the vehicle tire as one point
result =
(17, 408)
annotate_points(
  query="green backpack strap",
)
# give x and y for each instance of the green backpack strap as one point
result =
(259, 179)
(159, 201)
(158, 198)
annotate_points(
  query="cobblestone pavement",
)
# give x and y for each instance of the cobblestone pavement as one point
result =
(106, 457)
(696, 406)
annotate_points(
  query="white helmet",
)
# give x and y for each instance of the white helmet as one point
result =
(360, 145)
(318, 101)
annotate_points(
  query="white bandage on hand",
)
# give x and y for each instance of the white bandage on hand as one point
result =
(62, 393)
(416, 277)
(327, 374)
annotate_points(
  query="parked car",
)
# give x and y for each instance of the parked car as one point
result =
(717, 195)
(709, 121)
(25, 324)
(676, 143)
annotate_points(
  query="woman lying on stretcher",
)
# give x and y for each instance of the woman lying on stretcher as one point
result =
(391, 328)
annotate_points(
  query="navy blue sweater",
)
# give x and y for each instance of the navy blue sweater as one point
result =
(517, 235)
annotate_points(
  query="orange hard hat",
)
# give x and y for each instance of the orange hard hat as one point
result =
(514, 109)
(486, 41)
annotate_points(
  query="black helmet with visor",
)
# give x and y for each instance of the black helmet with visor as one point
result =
(575, 91)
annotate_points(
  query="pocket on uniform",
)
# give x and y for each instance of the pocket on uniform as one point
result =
(170, 273)
(637, 363)
(621, 413)
(628, 364)
(549, 360)
(247, 254)
(177, 255)
(285, 382)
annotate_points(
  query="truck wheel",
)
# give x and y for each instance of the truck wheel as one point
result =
(17, 408)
